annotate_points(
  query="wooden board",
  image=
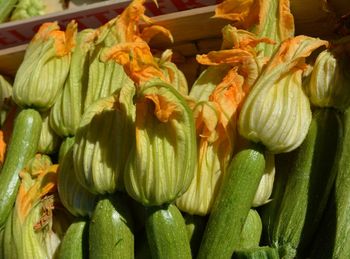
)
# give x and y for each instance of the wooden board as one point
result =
(193, 20)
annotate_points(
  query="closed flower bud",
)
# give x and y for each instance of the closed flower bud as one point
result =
(74, 197)
(41, 75)
(69, 107)
(103, 142)
(263, 193)
(161, 164)
(329, 82)
(172, 74)
(277, 112)
(49, 141)
(105, 76)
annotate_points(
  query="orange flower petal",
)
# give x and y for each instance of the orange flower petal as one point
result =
(163, 109)
(244, 12)
(149, 32)
(230, 56)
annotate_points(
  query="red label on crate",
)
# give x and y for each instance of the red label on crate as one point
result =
(91, 16)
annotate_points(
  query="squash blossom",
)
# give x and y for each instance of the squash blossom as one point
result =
(29, 227)
(49, 141)
(172, 74)
(104, 77)
(216, 111)
(329, 81)
(67, 111)
(75, 198)
(41, 75)
(160, 165)
(103, 142)
(264, 191)
(277, 111)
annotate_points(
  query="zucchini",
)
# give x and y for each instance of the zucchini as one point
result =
(75, 241)
(110, 229)
(264, 252)
(251, 232)
(230, 209)
(166, 233)
(22, 147)
(333, 238)
(302, 190)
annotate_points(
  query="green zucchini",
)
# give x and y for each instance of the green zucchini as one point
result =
(264, 252)
(333, 238)
(110, 229)
(22, 147)
(251, 232)
(166, 233)
(75, 241)
(230, 209)
(306, 176)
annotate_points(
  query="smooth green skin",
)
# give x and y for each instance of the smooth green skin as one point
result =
(22, 147)
(333, 238)
(6, 7)
(264, 252)
(231, 208)
(166, 233)
(251, 232)
(302, 189)
(110, 229)
(75, 241)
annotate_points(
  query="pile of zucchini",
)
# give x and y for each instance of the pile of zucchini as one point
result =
(107, 152)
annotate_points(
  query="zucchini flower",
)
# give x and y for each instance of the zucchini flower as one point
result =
(172, 74)
(103, 142)
(329, 81)
(277, 112)
(74, 197)
(49, 141)
(5, 93)
(28, 230)
(216, 113)
(160, 165)
(67, 111)
(266, 19)
(264, 191)
(41, 75)
(104, 77)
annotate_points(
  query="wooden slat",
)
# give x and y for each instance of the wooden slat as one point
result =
(186, 26)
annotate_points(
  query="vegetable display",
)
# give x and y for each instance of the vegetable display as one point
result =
(113, 148)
